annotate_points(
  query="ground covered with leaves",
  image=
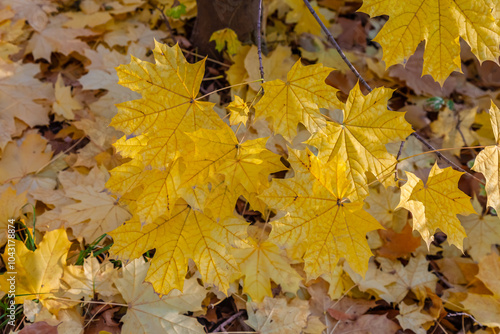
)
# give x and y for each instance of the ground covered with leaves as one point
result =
(176, 193)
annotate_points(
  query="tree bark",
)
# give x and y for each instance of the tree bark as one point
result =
(238, 15)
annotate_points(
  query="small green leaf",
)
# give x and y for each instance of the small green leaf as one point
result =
(176, 11)
(435, 103)
(470, 163)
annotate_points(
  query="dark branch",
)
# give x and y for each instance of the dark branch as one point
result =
(337, 46)
(259, 40)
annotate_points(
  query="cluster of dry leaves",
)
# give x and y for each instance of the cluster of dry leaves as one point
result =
(58, 90)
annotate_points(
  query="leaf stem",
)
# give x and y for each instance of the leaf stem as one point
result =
(440, 149)
(228, 321)
(227, 87)
(397, 161)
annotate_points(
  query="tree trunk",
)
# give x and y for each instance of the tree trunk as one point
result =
(213, 15)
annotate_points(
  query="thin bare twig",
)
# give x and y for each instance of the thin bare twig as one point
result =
(397, 161)
(474, 154)
(165, 20)
(259, 41)
(440, 155)
(228, 321)
(461, 314)
(367, 86)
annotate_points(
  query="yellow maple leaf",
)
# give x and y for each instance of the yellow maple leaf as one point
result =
(487, 162)
(219, 152)
(360, 135)
(262, 262)
(91, 278)
(483, 232)
(435, 205)
(320, 227)
(169, 89)
(239, 111)
(168, 109)
(38, 273)
(226, 36)
(414, 277)
(149, 313)
(440, 23)
(187, 234)
(298, 100)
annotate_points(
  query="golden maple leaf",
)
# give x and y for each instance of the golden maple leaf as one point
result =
(38, 273)
(298, 100)
(169, 89)
(440, 23)
(187, 234)
(360, 135)
(487, 162)
(435, 205)
(219, 152)
(320, 227)
(262, 262)
(239, 111)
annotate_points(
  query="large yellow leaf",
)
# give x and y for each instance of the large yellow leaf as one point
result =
(439, 23)
(435, 205)
(320, 227)
(219, 152)
(38, 273)
(262, 262)
(488, 162)
(168, 90)
(188, 234)
(297, 100)
(166, 111)
(359, 136)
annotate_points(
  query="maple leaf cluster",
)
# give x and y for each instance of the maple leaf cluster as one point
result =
(195, 196)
